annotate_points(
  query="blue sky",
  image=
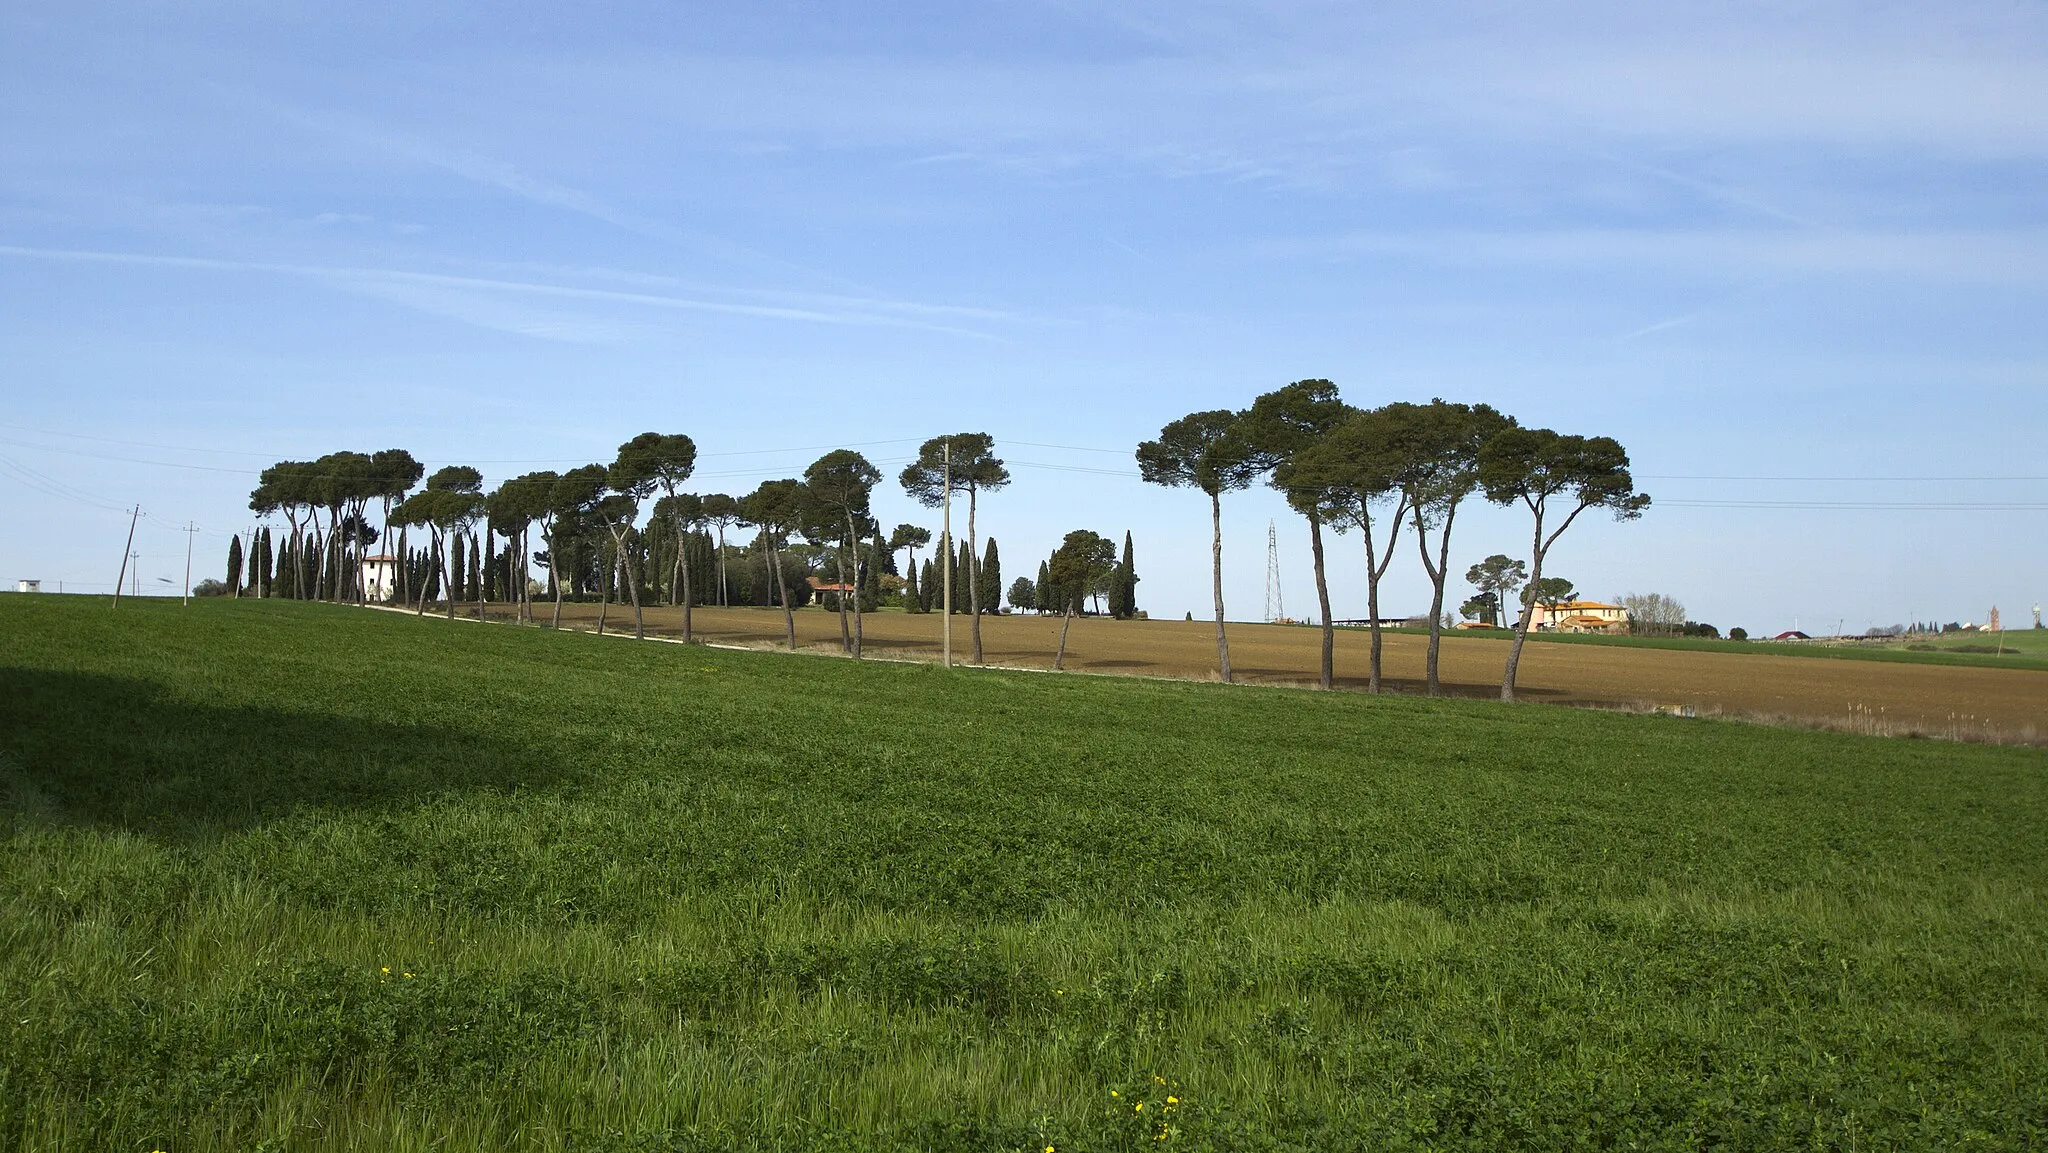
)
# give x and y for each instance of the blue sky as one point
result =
(1771, 248)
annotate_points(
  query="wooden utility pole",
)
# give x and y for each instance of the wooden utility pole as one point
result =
(946, 581)
(190, 528)
(120, 580)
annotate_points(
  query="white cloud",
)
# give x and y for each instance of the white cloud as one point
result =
(463, 297)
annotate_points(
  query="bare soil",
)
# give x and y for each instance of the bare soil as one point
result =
(1865, 696)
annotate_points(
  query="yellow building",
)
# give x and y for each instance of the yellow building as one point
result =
(1582, 617)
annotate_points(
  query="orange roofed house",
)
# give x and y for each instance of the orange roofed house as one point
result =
(1582, 617)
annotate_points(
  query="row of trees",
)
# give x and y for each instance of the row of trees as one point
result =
(1400, 466)
(596, 534)
(1385, 471)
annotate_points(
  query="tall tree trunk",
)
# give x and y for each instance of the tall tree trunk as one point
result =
(1315, 541)
(723, 600)
(782, 586)
(1439, 571)
(427, 578)
(298, 562)
(606, 571)
(1216, 574)
(1376, 564)
(682, 545)
(1372, 611)
(1537, 551)
(1067, 621)
(632, 571)
(854, 543)
(315, 548)
(1507, 680)
(547, 537)
(839, 596)
(483, 563)
(675, 576)
(973, 575)
(448, 581)
(352, 567)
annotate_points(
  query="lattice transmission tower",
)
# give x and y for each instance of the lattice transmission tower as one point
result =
(1275, 610)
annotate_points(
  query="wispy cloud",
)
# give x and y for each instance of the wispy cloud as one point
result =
(2014, 257)
(504, 176)
(459, 296)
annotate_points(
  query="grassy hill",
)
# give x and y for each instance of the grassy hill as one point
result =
(299, 877)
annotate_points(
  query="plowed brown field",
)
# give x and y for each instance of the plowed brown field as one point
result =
(1863, 695)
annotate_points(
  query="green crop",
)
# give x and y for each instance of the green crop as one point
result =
(293, 876)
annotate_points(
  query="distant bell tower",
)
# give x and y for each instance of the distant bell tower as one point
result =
(1991, 624)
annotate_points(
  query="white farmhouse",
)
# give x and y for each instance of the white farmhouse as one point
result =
(380, 578)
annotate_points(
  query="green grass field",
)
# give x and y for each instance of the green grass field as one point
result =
(288, 876)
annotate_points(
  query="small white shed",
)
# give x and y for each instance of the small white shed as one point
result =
(28, 586)
(380, 578)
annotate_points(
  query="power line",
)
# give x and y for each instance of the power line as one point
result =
(1864, 505)
(1856, 479)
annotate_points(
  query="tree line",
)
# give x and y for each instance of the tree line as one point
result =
(1400, 467)
(629, 533)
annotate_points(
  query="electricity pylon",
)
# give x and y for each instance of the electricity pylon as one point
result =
(1274, 608)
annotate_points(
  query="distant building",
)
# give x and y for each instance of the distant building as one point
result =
(28, 586)
(1582, 617)
(380, 578)
(819, 585)
(1792, 635)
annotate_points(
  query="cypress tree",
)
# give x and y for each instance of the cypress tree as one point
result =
(1048, 595)
(961, 575)
(235, 565)
(991, 578)
(871, 572)
(263, 558)
(912, 598)
(928, 592)
(458, 567)
(1127, 580)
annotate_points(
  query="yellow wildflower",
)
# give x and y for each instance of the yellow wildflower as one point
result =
(1138, 1108)
(1173, 1100)
(1158, 1080)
